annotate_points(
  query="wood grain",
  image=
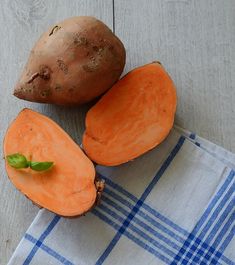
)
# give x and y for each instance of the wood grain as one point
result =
(21, 24)
(195, 41)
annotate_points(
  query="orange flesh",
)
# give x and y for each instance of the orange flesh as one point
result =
(68, 188)
(134, 116)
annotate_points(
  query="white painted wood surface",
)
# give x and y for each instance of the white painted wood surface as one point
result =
(21, 24)
(194, 40)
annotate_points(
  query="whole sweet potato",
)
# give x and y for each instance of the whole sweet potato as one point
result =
(72, 63)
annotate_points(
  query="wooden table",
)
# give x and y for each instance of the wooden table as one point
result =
(193, 39)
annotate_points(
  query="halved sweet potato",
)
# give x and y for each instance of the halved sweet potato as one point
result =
(134, 116)
(69, 187)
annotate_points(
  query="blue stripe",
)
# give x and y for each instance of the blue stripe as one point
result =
(142, 224)
(30, 238)
(143, 234)
(136, 240)
(224, 230)
(96, 212)
(147, 248)
(192, 136)
(213, 218)
(156, 234)
(111, 203)
(217, 211)
(131, 237)
(189, 242)
(227, 261)
(150, 240)
(220, 236)
(116, 197)
(227, 240)
(38, 244)
(112, 213)
(161, 227)
(140, 213)
(139, 203)
(165, 220)
(214, 201)
(222, 218)
(149, 229)
(49, 251)
(213, 233)
(123, 211)
(144, 206)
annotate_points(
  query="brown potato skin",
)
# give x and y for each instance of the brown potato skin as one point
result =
(72, 63)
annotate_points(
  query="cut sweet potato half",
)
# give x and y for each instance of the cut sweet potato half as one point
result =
(134, 116)
(69, 187)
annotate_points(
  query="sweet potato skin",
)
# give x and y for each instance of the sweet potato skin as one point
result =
(133, 117)
(73, 62)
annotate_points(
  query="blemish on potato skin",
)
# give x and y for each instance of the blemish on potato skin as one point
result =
(25, 90)
(100, 51)
(54, 30)
(45, 93)
(80, 40)
(95, 48)
(90, 67)
(58, 87)
(44, 72)
(63, 67)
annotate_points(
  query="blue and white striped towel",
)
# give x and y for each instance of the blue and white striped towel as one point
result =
(173, 205)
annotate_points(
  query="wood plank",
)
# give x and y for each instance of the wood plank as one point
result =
(21, 24)
(195, 41)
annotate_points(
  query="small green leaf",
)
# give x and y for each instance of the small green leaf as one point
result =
(40, 166)
(20, 161)
(17, 161)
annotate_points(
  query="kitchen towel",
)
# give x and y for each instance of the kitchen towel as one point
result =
(173, 205)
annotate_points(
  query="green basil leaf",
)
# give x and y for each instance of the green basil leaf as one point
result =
(17, 161)
(40, 166)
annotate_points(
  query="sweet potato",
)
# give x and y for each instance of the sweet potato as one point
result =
(73, 62)
(69, 188)
(134, 116)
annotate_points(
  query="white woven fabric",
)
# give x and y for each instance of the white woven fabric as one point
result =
(183, 212)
